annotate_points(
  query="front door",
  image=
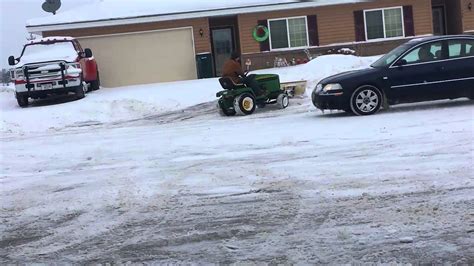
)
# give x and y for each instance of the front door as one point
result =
(421, 74)
(222, 47)
(439, 21)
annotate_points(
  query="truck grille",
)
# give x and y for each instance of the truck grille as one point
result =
(44, 70)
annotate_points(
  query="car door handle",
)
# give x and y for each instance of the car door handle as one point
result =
(441, 68)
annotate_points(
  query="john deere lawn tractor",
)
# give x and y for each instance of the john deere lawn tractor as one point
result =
(242, 100)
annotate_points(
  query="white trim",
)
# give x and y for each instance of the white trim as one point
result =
(178, 16)
(289, 48)
(431, 62)
(431, 82)
(383, 23)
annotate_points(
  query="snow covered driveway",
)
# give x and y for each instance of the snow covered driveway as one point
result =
(280, 186)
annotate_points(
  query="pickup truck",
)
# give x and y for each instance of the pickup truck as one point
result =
(52, 66)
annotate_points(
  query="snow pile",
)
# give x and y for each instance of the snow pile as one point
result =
(111, 105)
(320, 68)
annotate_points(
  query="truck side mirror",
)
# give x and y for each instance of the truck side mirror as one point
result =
(88, 52)
(11, 60)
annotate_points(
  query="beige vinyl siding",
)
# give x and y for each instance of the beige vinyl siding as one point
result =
(335, 23)
(468, 16)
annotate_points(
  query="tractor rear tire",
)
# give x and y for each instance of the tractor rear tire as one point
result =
(245, 104)
(283, 101)
(226, 112)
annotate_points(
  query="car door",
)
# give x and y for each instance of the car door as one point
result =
(416, 75)
(459, 68)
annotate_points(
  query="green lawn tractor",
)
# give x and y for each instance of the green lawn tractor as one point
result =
(242, 100)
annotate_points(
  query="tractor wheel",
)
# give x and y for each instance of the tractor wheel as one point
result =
(245, 104)
(22, 101)
(366, 100)
(226, 112)
(95, 85)
(283, 101)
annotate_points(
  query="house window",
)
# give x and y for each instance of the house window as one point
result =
(288, 33)
(384, 23)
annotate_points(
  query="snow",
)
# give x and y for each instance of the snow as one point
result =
(183, 185)
(119, 9)
(38, 52)
(112, 105)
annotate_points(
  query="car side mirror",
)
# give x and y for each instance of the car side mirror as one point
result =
(88, 53)
(401, 62)
(11, 60)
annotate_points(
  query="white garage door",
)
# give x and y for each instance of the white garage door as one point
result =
(144, 57)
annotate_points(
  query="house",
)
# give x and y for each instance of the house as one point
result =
(138, 42)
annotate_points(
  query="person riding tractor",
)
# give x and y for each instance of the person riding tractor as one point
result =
(233, 69)
(243, 93)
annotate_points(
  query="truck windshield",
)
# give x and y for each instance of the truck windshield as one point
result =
(389, 58)
(53, 49)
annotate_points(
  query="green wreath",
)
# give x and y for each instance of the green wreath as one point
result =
(261, 33)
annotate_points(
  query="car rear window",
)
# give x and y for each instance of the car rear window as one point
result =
(461, 48)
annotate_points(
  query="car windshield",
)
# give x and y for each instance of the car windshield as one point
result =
(391, 56)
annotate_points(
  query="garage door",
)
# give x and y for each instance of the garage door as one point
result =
(143, 58)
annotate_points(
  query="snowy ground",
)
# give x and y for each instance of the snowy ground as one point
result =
(279, 186)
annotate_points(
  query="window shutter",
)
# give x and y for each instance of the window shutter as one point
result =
(359, 25)
(408, 19)
(265, 45)
(313, 30)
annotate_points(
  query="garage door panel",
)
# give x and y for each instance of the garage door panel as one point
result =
(143, 58)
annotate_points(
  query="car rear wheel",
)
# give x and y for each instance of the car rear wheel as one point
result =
(366, 100)
(283, 101)
(22, 101)
(245, 104)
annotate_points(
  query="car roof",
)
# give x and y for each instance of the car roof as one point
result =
(417, 41)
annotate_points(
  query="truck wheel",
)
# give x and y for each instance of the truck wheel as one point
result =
(366, 100)
(283, 101)
(22, 101)
(95, 85)
(245, 104)
(81, 91)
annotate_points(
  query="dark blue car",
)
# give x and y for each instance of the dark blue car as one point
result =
(424, 69)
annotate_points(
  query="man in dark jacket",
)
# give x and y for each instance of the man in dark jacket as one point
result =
(232, 69)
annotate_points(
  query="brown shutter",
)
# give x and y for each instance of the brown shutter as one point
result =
(313, 30)
(265, 45)
(359, 26)
(409, 23)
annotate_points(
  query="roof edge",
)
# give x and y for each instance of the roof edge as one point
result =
(181, 15)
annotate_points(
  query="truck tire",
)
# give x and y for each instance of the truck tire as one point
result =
(22, 101)
(81, 91)
(95, 85)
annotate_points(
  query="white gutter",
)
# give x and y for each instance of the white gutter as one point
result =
(186, 15)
